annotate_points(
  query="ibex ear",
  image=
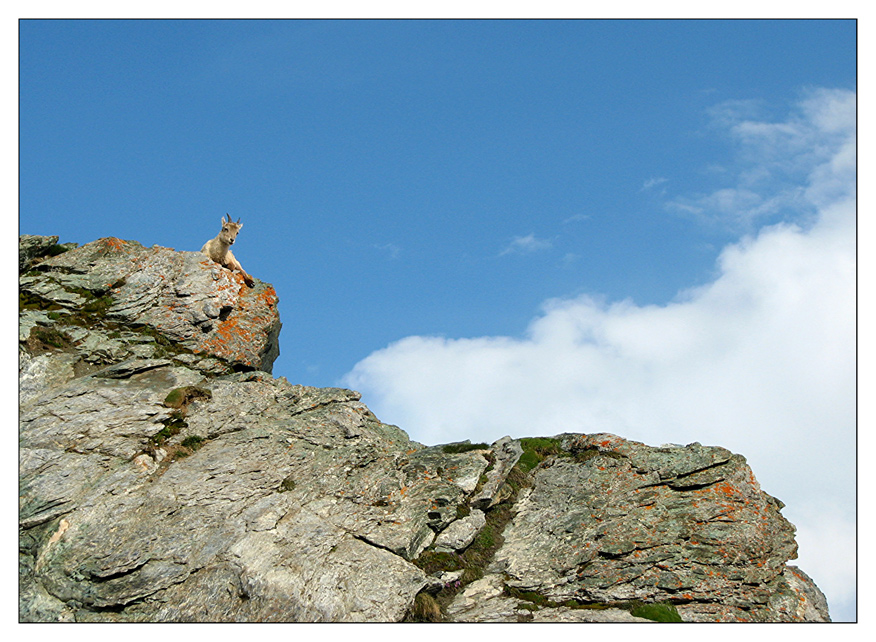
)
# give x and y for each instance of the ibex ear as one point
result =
(223, 221)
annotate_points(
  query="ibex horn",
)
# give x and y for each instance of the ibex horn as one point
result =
(238, 219)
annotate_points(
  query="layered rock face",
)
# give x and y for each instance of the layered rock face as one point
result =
(608, 520)
(188, 303)
(165, 475)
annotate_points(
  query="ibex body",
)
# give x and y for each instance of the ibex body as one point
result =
(219, 248)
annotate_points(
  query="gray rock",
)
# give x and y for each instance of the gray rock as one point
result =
(49, 289)
(29, 319)
(620, 521)
(291, 521)
(460, 533)
(158, 484)
(37, 375)
(484, 600)
(803, 601)
(565, 614)
(193, 304)
(31, 247)
(443, 579)
(506, 452)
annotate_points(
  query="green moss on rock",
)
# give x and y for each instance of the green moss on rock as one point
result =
(287, 484)
(173, 425)
(462, 447)
(193, 442)
(536, 450)
(181, 397)
(434, 562)
(46, 339)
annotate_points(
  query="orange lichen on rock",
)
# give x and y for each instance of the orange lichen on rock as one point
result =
(242, 337)
(113, 243)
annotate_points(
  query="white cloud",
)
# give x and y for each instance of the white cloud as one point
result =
(730, 112)
(653, 182)
(826, 539)
(569, 259)
(526, 245)
(777, 158)
(761, 360)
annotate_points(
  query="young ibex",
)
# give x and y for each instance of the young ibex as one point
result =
(219, 250)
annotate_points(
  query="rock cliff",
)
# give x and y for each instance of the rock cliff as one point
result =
(165, 475)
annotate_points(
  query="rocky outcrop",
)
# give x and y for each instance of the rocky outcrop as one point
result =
(118, 299)
(165, 475)
(615, 520)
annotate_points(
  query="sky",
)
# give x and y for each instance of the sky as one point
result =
(503, 227)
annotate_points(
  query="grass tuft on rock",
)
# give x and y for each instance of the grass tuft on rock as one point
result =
(193, 442)
(658, 612)
(287, 484)
(46, 339)
(425, 609)
(462, 447)
(536, 450)
(173, 425)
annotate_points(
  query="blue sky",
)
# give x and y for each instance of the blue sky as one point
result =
(375, 163)
(501, 227)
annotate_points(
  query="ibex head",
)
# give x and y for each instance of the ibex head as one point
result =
(229, 230)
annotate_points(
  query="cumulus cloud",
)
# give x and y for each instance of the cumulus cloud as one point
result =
(761, 360)
(526, 245)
